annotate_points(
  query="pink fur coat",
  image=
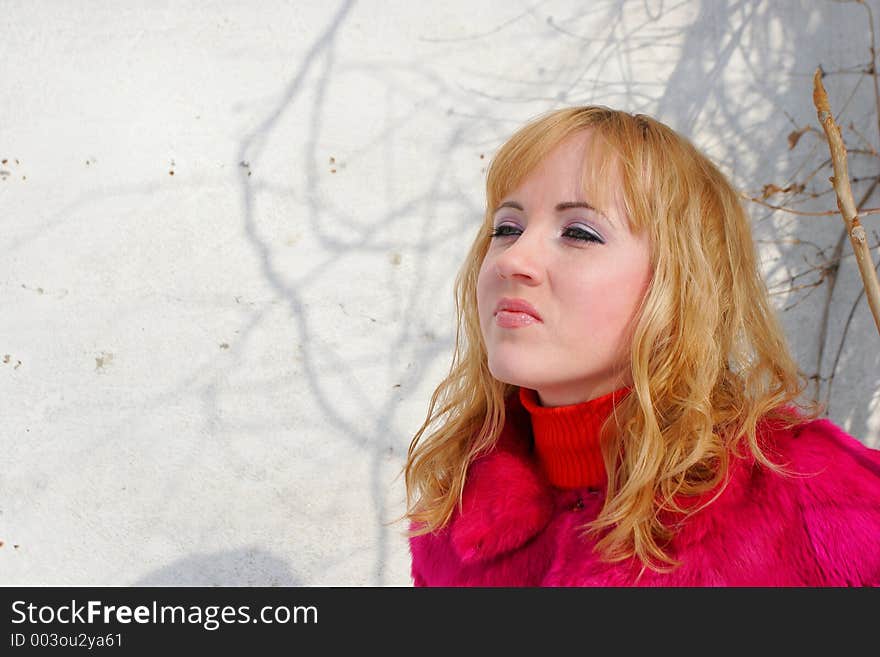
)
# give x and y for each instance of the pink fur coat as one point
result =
(821, 529)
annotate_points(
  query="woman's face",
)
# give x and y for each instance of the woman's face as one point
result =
(581, 270)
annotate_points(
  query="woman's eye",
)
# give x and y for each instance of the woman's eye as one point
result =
(504, 230)
(579, 233)
(573, 232)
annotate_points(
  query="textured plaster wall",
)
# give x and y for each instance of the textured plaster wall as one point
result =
(230, 231)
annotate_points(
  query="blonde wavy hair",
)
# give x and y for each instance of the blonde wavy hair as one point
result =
(709, 359)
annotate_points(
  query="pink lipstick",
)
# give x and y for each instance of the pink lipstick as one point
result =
(515, 313)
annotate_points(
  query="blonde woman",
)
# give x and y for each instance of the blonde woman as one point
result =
(622, 407)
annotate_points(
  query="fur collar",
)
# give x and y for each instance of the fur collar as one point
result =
(507, 500)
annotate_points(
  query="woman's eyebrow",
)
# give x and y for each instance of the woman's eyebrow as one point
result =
(565, 205)
(583, 204)
(574, 204)
(509, 204)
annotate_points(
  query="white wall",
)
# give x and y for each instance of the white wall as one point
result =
(213, 376)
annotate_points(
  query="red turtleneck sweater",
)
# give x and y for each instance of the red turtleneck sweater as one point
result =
(567, 438)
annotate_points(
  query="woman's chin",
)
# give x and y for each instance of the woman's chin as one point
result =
(514, 374)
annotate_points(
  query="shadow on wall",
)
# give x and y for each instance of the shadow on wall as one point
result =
(241, 567)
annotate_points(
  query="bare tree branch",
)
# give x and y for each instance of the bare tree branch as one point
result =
(845, 201)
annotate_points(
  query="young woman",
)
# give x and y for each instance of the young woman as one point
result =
(622, 407)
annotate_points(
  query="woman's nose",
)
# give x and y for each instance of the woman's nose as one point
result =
(522, 259)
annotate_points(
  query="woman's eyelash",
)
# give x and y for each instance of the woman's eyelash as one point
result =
(501, 231)
(574, 232)
(585, 235)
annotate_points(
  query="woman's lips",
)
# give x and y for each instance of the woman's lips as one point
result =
(512, 319)
(516, 312)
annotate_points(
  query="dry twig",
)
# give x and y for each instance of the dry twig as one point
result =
(845, 201)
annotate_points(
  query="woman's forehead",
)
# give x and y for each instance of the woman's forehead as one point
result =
(581, 168)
